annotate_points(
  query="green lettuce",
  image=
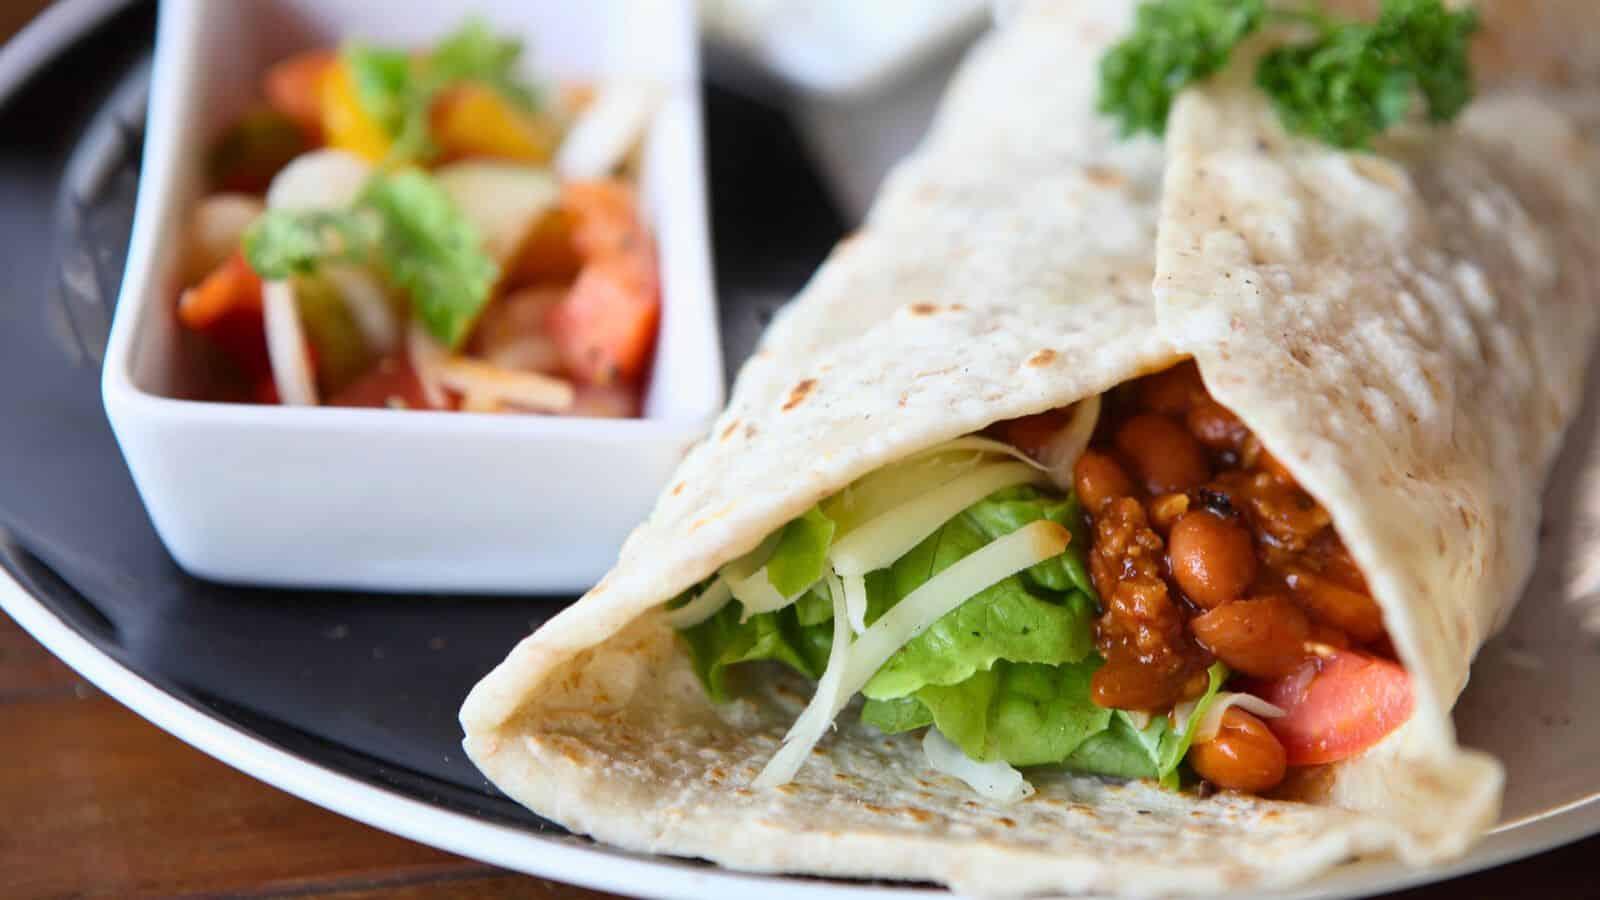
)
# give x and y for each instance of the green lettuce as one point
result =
(1005, 676)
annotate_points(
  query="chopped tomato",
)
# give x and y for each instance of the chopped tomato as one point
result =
(391, 383)
(226, 307)
(294, 88)
(606, 326)
(605, 217)
(1338, 706)
(547, 254)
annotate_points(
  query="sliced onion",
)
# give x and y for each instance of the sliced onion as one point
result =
(757, 595)
(999, 559)
(1211, 723)
(216, 227)
(524, 390)
(321, 179)
(980, 444)
(503, 200)
(886, 538)
(286, 345)
(709, 603)
(369, 306)
(608, 129)
(1064, 448)
(996, 781)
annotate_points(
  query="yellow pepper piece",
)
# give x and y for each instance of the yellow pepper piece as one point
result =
(473, 120)
(345, 124)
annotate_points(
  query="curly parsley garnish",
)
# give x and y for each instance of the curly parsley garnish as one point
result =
(1345, 84)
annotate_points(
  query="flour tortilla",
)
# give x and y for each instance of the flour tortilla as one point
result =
(1408, 342)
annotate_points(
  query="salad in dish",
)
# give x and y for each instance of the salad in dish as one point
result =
(1131, 586)
(427, 229)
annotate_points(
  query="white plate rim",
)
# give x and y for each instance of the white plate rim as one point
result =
(600, 868)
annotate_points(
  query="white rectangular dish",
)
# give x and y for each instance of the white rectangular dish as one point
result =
(404, 500)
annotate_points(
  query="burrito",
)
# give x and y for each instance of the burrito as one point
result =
(1107, 515)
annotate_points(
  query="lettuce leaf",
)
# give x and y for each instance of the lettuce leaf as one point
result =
(1040, 615)
(802, 554)
(722, 641)
(1122, 750)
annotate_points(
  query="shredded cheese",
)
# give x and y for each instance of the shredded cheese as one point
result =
(526, 390)
(709, 603)
(848, 672)
(886, 538)
(855, 601)
(1210, 724)
(1063, 450)
(831, 694)
(996, 780)
(426, 357)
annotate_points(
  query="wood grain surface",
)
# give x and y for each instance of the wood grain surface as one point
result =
(96, 802)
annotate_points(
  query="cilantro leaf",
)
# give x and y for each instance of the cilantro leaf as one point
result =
(286, 242)
(405, 223)
(1174, 43)
(432, 251)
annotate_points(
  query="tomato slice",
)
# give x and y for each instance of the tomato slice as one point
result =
(1338, 706)
(390, 384)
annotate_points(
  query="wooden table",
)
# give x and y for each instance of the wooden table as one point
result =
(97, 802)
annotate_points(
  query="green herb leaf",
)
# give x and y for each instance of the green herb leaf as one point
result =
(1356, 80)
(398, 89)
(1347, 83)
(432, 251)
(1174, 43)
(284, 242)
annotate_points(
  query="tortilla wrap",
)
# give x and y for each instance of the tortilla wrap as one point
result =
(1405, 332)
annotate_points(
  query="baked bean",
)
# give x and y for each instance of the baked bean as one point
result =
(1215, 426)
(1031, 434)
(1244, 756)
(1098, 478)
(1172, 391)
(1213, 558)
(1264, 636)
(1163, 455)
(1350, 611)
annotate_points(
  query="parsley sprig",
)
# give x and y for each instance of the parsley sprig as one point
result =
(1347, 83)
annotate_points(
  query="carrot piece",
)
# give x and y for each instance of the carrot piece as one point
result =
(294, 88)
(225, 307)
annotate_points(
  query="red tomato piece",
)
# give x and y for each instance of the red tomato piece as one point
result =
(226, 307)
(1338, 706)
(294, 88)
(390, 383)
(606, 326)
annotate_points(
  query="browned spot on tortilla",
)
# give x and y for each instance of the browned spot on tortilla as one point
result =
(1042, 358)
(971, 803)
(922, 309)
(903, 399)
(921, 815)
(677, 489)
(798, 394)
(840, 776)
(718, 773)
(787, 789)
(701, 522)
(749, 430)
(1377, 171)
(875, 809)
(1301, 356)
(1006, 822)
(1104, 177)
(930, 373)
(732, 427)
(1366, 411)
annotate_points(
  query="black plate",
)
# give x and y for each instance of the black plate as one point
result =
(367, 685)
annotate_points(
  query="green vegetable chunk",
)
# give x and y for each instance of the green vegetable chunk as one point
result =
(432, 251)
(405, 222)
(1346, 84)
(802, 554)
